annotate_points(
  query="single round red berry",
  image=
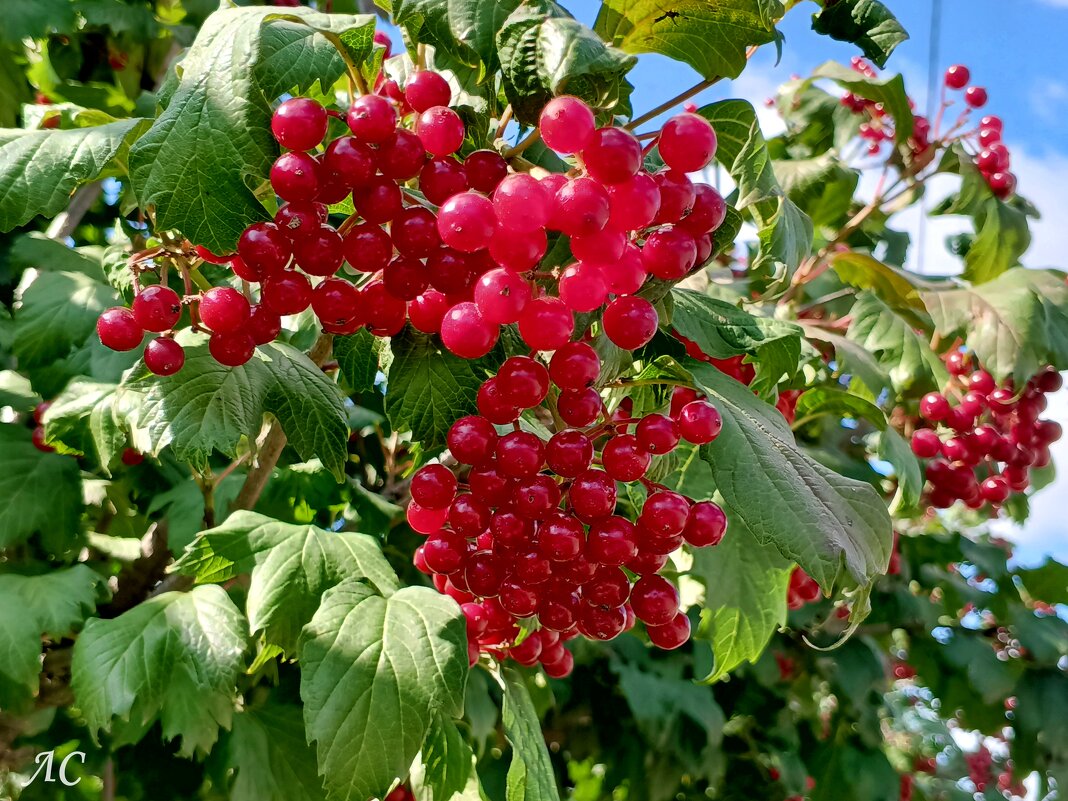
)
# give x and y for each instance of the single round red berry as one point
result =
(633, 204)
(624, 459)
(372, 119)
(426, 88)
(655, 600)
(569, 453)
(441, 130)
(264, 325)
(485, 169)
(592, 495)
(957, 76)
(442, 178)
(575, 366)
(613, 155)
(164, 356)
(699, 422)
(630, 322)
(705, 525)
(224, 310)
(687, 142)
(352, 161)
(580, 407)
(231, 349)
(522, 203)
(501, 295)
(580, 207)
(467, 222)
(566, 124)
(546, 324)
(672, 634)
(299, 124)
(295, 177)
(157, 308)
(264, 248)
(520, 454)
(118, 329)
(466, 333)
(523, 381)
(975, 96)
(926, 443)
(657, 433)
(664, 514)
(433, 486)
(669, 253)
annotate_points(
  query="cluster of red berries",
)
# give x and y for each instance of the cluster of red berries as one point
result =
(533, 533)
(987, 427)
(451, 246)
(878, 127)
(992, 159)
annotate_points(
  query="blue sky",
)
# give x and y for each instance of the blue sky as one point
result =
(1016, 54)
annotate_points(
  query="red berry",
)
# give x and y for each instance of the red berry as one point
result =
(468, 516)
(442, 178)
(561, 537)
(264, 249)
(630, 322)
(569, 453)
(402, 157)
(657, 433)
(705, 525)
(669, 253)
(536, 496)
(523, 381)
(335, 301)
(405, 278)
(546, 324)
(655, 600)
(624, 459)
(677, 195)
(934, 407)
(575, 366)
(286, 293)
(699, 422)
(38, 440)
(433, 486)
(367, 248)
(579, 407)
(672, 634)
(582, 287)
(633, 204)
(485, 169)
(975, 96)
(602, 623)
(426, 311)
(352, 161)
(957, 76)
(426, 88)
(441, 130)
(224, 310)
(708, 212)
(466, 333)
(520, 454)
(580, 207)
(612, 541)
(299, 124)
(493, 405)
(926, 443)
(264, 325)
(294, 176)
(664, 514)
(519, 251)
(501, 295)
(627, 274)
(157, 308)
(296, 221)
(231, 349)
(994, 489)
(164, 356)
(522, 203)
(613, 155)
(425, 521)
(592, 495)
(566, 124)
(687, 142)
(372, 119)
(467, 222)
(118, 329)
(132, 458)
(379, 200)
(444, 552)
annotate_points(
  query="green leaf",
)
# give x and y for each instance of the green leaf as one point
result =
(819, 519)
(202, 159)
(271, 756)
(67, 420)
(176, 655)
(853, 359)
(429, 22)
(374, 672)
(446, 762)
(120, 17)
(208, 406)
(896, 288)
(674, 715)
(37, 250)
(291, 567)
(530, 774)
(784, 230)
(745, 597)
(894, 449)
(893, 341)
(1016, 323)
(888, 91)
(820, 401)
(476, 25)
(711, 38)
(358, 358)
(39, 169)
(16, 392)
(429, 388)
(544, 52)
(866, 23)
(1048, 582)
(24, 19)
(58, 601)
(183, 508)
(39, 493)
(57, 311)
(722, 330)
(688, 473)
(821, 187)
(20, 640)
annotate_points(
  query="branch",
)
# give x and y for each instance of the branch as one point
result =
(275, 441)
(80, 203)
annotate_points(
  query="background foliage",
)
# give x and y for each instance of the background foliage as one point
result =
(205, 629)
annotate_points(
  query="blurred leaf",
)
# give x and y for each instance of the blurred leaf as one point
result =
(530, 773)
(896, 345)
(271, 756)
(866, 23)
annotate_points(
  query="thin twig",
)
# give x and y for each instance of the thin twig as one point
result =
(69, 219)
(506, 118)
(530, 139)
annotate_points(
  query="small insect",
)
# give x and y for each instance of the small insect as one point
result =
(671, 15)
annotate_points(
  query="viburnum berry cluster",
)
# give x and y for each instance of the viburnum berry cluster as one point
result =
(983, 439)
(984, 142)
(531, 541)
(451, 245)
